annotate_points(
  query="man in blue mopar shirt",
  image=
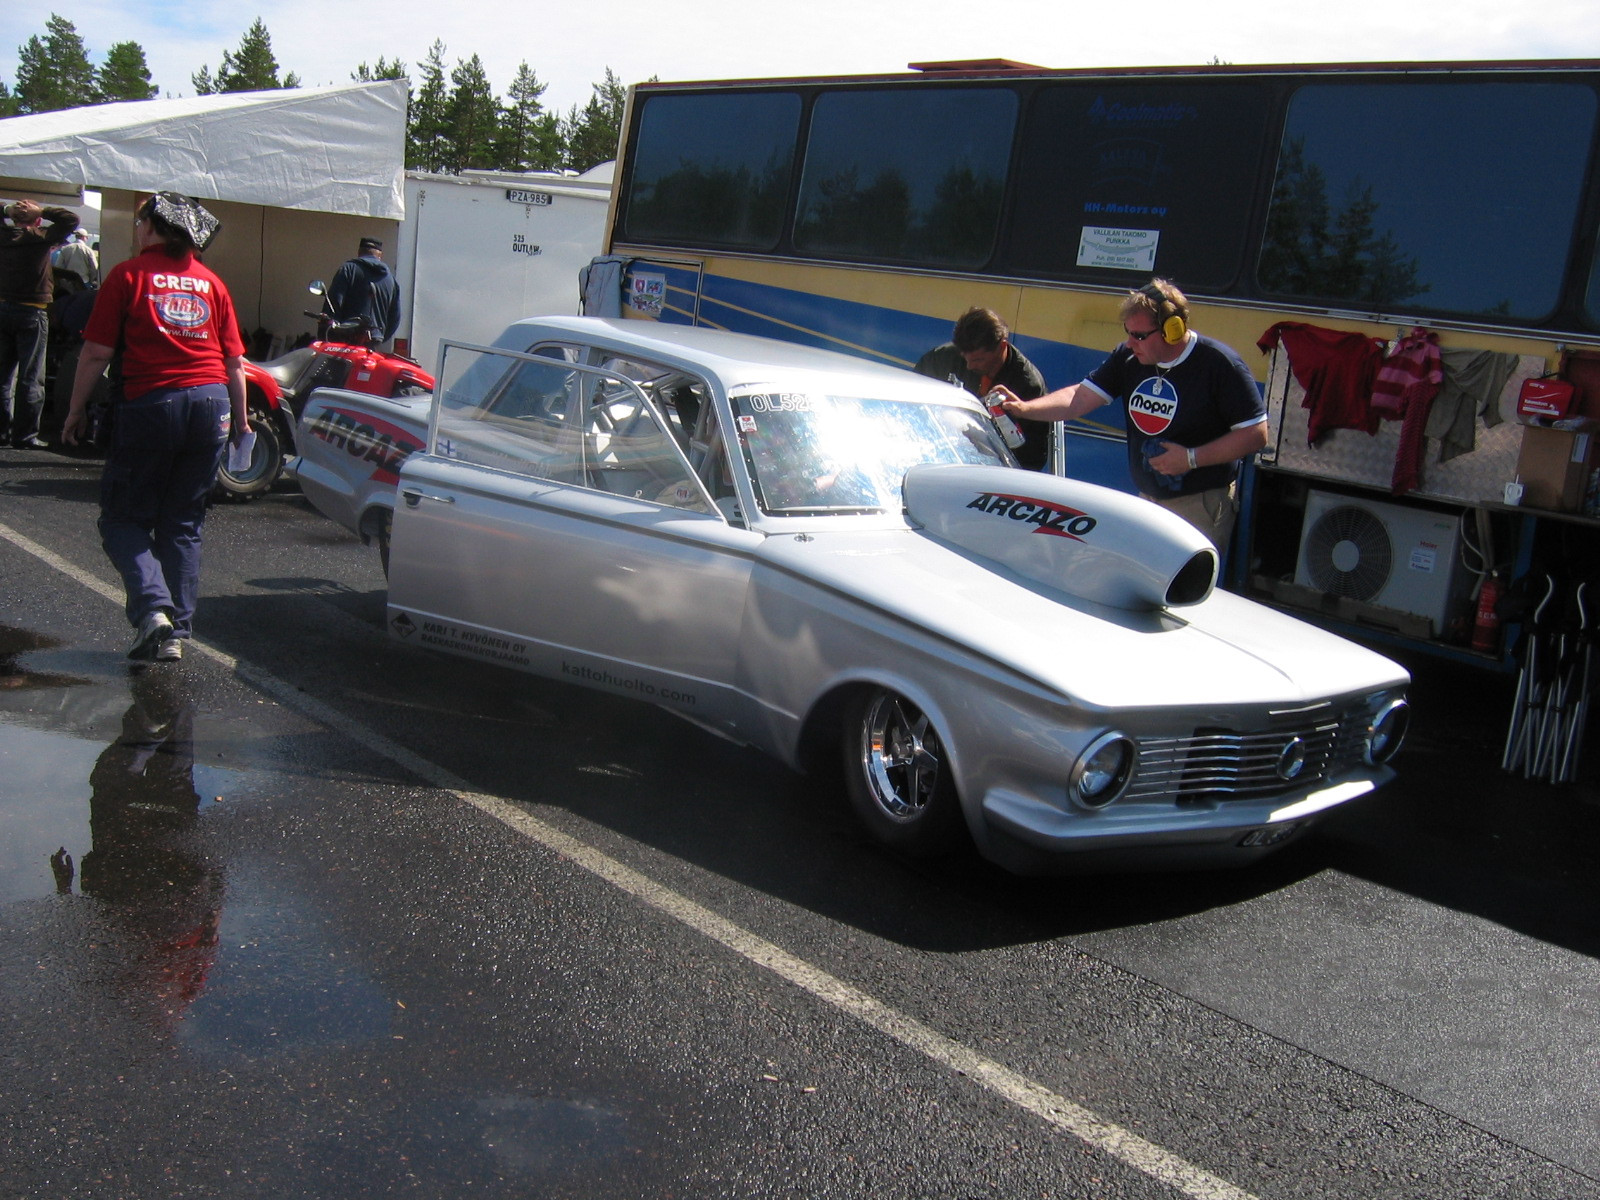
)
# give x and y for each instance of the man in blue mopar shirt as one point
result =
(1194, 411)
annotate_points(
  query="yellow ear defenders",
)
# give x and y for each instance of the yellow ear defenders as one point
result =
(1173, 327)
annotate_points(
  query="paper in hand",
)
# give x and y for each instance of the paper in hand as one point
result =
(239, 452)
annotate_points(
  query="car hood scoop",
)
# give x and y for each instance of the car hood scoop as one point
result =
(1085, 540)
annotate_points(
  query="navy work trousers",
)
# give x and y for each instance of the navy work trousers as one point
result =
(166, 447)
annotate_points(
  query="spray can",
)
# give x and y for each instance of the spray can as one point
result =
(1009, 431)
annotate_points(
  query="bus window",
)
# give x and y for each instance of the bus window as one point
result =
(1456, 197)
(712, 169)
(1118, 182)
(906, 175)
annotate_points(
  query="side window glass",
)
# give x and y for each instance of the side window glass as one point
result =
(510, 412)
(634, 439)
(712, 169)
(677, 395)
(708, 455)
(1118, 182)
(928, 194)
(547, 415)
(1478, 224)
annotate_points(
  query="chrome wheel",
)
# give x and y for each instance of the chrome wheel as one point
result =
(900, 752)
(898, 777)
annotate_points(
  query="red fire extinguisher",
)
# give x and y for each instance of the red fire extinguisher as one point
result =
(1486, 622)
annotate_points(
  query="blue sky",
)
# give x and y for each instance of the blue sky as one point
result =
(570, 45)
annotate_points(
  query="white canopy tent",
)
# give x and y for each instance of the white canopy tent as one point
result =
(297, 177)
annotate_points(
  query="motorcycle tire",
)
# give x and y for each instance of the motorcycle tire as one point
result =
(266, 464)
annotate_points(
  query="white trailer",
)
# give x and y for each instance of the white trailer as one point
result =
(484, 248)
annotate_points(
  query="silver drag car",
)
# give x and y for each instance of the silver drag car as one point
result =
(838, 563)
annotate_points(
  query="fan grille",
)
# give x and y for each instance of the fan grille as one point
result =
(1348, 553)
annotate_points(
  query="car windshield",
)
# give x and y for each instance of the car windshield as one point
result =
(811, 454)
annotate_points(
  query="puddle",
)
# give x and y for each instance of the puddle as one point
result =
(106, 792)
(14, 676)
(110, 852)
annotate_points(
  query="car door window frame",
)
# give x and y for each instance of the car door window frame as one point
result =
(684, 490)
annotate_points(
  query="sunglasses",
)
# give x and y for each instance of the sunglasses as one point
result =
(1139, 337)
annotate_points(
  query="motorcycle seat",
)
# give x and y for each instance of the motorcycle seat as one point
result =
(286, 368)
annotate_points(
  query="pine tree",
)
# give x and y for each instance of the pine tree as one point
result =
(8, 102)
(383, 70)
(54, 72)
(528, 139)
(250, 68)
(471, 115)
(426, 148)
(203, 84)
(592, 135)
(125, 75)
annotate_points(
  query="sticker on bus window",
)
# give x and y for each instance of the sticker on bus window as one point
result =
(646, 292)
(1128, 249)
(747, 424)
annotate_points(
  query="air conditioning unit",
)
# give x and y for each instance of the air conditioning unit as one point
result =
(1367, 552)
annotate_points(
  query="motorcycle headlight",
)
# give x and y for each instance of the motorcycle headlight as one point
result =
(1386, 730)
(1102, 771)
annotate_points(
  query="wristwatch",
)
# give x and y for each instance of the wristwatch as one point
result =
(1190, 452)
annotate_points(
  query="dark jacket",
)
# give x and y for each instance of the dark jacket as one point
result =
(1018, 374)
(25, 276)
(364, 287)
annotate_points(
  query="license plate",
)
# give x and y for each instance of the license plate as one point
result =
(1270, 836)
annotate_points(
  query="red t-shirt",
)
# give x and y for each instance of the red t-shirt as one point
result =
(172, 318)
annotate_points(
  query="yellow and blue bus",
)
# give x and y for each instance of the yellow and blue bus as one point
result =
(866, 213)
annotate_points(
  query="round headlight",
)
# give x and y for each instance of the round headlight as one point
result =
(1102, 771)
(1386, 731)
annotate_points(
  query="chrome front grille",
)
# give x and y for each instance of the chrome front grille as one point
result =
(1213, 764)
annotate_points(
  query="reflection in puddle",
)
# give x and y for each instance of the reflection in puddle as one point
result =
(285, 982)
(160, 890)
(14, 643)
(56, 784)
(217, 950)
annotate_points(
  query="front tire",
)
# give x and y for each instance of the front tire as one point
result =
(266, 463)
(898, 776)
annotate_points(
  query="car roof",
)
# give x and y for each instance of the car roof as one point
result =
(735, 358)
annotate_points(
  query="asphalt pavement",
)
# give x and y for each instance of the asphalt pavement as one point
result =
(345, 918)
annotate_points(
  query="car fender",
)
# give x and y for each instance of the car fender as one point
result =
(351, 447)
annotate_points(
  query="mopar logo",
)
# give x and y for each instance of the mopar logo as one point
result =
(1153, 406)
(1050, 518)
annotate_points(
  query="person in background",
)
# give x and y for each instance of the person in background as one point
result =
(365, 289)
(980, 357)
(1194, 411)
(26, 289)
(75, 255)
(182, 392)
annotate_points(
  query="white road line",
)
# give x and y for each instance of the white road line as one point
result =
(1106, 1136)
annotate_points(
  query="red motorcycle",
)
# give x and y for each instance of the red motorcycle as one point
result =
(341, 357)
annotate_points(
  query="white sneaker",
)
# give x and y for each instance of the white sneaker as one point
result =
(170, 650)
(153, 630)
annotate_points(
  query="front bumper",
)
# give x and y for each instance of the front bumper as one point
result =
(1155, 834)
